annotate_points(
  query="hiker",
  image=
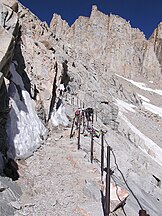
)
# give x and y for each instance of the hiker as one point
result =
(88, 114)
(96, 133)
(77, 117)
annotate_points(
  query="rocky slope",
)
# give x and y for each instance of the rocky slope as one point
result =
(101, 62)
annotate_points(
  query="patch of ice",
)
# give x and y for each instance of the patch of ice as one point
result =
(141, 85)
(147, 144)
(152, 108)
(123, 106)
(24, 128)
(143, 98)
(59, 117)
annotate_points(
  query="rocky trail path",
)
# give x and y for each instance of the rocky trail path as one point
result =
(59, 180)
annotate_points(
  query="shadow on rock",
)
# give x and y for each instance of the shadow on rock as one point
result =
(11, 169)
(103, 202)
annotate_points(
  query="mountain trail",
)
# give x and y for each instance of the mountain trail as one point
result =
(54, 180)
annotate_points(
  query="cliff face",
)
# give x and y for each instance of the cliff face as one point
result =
(156, 41)
(100, 61)
(112, 42)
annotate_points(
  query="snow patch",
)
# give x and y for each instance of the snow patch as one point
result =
(59, 117)
(147, 146)
(141, 85)
(143, 98)
(123, 106)
(152, 108)
(24, 128)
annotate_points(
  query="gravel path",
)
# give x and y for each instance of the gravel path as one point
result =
(54, 180)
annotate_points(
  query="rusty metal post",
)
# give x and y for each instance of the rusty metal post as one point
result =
(92, 143)
(92, 147)
(102, 155)
(72, 127)
(79, 123)
(107, 197)
(142, 213)
(83, 121)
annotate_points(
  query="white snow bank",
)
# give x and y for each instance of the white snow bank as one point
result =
(59, 117)
(123, 106)
(141, 85)
(143, 98)
(24, 128)
(147, 146)
(152, 108)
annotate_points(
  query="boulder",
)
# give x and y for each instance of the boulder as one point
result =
(13, 4)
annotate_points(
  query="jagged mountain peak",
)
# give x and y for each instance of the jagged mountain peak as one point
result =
(112, 41)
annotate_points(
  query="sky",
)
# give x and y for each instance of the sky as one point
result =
(142, 14)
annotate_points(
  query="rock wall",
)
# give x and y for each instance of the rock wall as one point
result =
(8, 32)
(21, 129)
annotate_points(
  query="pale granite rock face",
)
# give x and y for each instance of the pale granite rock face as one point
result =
(8, 19)
(8, 31)
(156, 41)
(58, 26)
(13, 4)
(111, 41)
(151, 66)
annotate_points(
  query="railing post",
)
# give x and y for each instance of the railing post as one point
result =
(79, 123)
(83, 105)
(83, 121)
(92, 140)
(71, 132)
(107, 197)
(102, 155)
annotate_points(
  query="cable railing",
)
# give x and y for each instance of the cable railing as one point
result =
(105, 152)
